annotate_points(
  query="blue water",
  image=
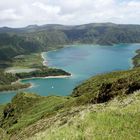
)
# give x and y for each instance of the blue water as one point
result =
(82, 61)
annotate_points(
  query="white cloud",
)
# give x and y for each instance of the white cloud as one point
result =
(5, 14)
(24, 12)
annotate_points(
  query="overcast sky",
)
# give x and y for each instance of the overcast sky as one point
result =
(19, 13)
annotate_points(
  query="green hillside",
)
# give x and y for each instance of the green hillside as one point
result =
(118, 119)
(136, 59)
(103, 107)
(32, 39)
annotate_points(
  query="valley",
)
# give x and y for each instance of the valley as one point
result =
(86, 85)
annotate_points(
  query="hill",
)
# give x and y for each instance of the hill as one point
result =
(33, 38)
(103, 107)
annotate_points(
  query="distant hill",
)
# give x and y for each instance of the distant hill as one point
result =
(34, 38)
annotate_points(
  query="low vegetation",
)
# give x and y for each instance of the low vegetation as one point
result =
(7, 78)
(104, 107)
(15, 86)
(33, 60)
(118, 119)
(25, 109)
(43, 72)
(103, 88)
(136, 59)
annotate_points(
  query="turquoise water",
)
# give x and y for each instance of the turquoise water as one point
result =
(82, 61)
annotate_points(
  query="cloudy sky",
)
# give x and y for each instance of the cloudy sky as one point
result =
(19, 13)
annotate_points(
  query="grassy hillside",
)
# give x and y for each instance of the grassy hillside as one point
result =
(136, 59)
(103, 88)
(17, 44)
(118, 119)
(33, 60)
(33, 39)
(13, 45)
(103, 107)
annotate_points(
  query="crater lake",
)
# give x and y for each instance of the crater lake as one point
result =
(82, 61)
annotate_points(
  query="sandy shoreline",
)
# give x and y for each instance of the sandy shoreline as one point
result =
(47, 77)
(31, 84)
(44, 60)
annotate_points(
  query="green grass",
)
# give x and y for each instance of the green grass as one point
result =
(102, 88)
(3, 135)
(34, 109)
(33, 60)
(1, 109)
(25, 63)
(117, 120)
(136, 59)
(78, 116)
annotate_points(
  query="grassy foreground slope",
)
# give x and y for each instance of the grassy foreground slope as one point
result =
(103, 107)
(116, 120)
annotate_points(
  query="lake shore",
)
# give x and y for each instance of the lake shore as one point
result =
(44, 61)
(17, 85)
(47, 77)
(136, 59)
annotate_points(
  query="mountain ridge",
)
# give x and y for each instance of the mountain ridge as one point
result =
(34, 38)
(62, 25)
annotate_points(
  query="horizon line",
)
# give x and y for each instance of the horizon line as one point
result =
(39, 25)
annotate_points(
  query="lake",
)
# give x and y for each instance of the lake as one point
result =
(82, 61)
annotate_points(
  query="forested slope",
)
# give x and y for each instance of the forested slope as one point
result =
(19, 41)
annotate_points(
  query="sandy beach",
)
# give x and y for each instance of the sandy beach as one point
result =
(44, 61)
(47, 77)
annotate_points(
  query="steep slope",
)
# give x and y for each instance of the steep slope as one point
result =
(106, 98)
(103, 88)
(136, 59)
(118, 119)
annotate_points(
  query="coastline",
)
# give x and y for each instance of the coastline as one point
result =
(30, 85)
(47, 77)
(136, 59)
(44, 61)
(19, 81)
(11, 89)
(132, 60)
